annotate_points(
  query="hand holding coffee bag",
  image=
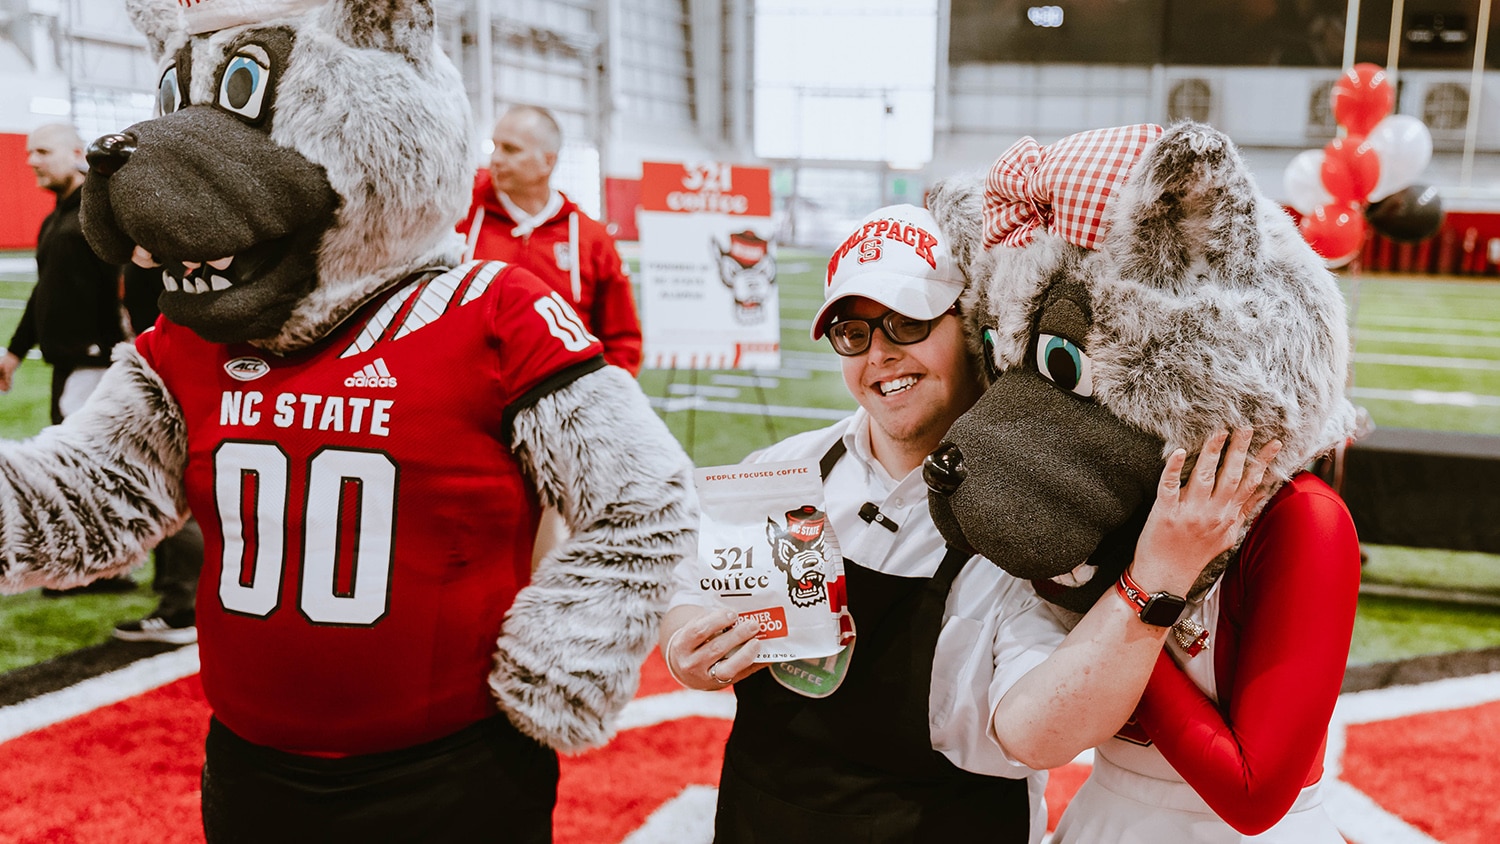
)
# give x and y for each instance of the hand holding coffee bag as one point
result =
(766, 551)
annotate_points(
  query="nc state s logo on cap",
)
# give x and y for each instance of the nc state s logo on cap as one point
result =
(869, 250)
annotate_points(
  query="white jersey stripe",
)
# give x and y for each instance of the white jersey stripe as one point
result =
(435, 299)
(482, 281)
(378, 323)
(380, 368)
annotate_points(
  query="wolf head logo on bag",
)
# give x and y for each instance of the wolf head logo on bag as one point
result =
(799, 552)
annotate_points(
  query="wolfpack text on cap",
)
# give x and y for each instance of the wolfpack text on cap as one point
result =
(872, 236)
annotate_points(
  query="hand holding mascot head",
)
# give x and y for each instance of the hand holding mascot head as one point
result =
(1132, 292)
(277, 196)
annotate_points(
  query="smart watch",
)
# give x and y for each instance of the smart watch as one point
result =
(1158, 609)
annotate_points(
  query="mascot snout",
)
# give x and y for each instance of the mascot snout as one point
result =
(237, 246)
(1045, 482)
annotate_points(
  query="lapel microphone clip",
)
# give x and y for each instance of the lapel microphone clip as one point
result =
(871, 513)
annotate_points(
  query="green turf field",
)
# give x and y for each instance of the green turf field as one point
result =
(1427, 355)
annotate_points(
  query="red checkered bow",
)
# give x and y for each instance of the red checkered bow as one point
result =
(1065, 186)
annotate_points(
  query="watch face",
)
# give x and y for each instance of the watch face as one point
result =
(1162, 610)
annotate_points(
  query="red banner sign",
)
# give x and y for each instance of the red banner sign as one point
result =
(706, 188)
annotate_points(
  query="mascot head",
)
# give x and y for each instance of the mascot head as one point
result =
(306, 155)
(1131, 291)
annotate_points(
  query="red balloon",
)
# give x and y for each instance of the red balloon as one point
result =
(1351, 168)
(1336, 231)
(1362, 97)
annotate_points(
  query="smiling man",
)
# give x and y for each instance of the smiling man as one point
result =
(901, 744)
(960, 688)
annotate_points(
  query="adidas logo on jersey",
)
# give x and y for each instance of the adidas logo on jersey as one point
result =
(374, 374)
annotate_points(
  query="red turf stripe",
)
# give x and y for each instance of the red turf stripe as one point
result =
(1062, 784)
(607, 793)
(1431, 770)
(127, 773)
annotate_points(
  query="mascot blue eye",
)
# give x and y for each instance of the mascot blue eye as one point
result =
(242, 90)
(168, 92)
(1061, 361)
(991, 360)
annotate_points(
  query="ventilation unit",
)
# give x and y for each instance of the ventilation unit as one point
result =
(1445, 108)
(1320, 120)
(1191, 99)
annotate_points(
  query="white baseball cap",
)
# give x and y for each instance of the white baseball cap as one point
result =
(897, 257)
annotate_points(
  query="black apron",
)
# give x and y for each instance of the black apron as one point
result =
(858, 765)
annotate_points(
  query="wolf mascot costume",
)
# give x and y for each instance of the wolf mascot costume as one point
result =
(1131, 293)
(365, 432)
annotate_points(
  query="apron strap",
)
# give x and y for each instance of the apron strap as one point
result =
(831, 457)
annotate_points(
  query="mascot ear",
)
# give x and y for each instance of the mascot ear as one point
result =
(957, 204)
(159, 20)
(1188, 209)
(400, 26)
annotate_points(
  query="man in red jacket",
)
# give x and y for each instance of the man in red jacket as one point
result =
(517, 217)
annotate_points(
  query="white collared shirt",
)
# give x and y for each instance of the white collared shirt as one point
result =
(995, 628)
(528, 223)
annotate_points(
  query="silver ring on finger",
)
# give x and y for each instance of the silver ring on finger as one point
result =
(714, 675)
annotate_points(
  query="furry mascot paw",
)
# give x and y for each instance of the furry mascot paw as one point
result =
(364, 430)
(1131, 292)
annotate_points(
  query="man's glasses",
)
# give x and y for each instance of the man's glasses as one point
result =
(851, 335)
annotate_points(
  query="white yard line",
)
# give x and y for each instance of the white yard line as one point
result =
(658, 709)
(1427, 338)
(1459, 398)
(1428, 362)
(675, 405)
(687, 818)
(1482, 326)
(136, 678)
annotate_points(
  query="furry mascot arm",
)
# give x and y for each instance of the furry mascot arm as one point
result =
(573, 642)
(90, 497)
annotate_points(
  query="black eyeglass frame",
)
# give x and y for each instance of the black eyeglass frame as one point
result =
(883, 322)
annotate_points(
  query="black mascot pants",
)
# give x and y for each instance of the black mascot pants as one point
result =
(486, 782)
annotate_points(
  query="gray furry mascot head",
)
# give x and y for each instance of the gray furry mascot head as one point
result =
(271, 221)
(1131, 291)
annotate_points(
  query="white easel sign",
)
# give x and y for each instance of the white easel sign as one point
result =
(708, 267)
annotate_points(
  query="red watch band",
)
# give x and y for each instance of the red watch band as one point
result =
(1131, 591)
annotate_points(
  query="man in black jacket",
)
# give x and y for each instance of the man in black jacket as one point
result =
(74, 311)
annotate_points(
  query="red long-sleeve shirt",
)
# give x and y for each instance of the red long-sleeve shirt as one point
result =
(1286, 618)
(602, 296)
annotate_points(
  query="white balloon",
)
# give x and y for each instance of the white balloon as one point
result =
(1404, 146)
(1303, 182)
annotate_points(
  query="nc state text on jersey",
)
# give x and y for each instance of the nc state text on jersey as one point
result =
(308, 411)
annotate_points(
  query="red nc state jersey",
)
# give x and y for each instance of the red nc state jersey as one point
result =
(365, 524)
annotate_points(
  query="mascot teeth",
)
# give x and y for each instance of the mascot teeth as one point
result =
(1077, 577)
(898, 385)
(143, 259)
(192, 279)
